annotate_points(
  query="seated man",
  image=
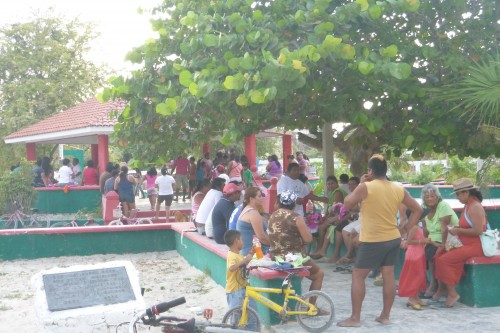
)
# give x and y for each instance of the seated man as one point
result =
(208, 203)
(350, 237)
(223, 210)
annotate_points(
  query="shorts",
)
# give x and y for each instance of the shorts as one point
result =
(192, 183)
(353, 226)
(341, 225)
(152, 191)
(167, 198)
(376, 254)
(430, 252)
(127, 198)
(181, 181)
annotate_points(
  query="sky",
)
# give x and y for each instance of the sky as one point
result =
(120, 25)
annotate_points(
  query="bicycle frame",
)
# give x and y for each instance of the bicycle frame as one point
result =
(255, 293)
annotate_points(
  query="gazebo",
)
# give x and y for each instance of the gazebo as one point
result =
(89, 123)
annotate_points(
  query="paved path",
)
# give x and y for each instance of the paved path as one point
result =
(461, 318)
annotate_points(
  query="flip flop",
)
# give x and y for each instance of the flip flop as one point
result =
(316, 256)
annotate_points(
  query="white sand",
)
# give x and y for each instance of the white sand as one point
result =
(164, 275)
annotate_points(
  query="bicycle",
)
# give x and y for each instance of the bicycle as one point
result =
(169, 324)
(19, 219)
(314, 310)
(121, 219)
(90, 222)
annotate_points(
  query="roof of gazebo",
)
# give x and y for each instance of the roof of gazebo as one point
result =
(80, 124)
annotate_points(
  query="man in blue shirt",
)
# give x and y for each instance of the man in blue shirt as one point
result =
(223, 210)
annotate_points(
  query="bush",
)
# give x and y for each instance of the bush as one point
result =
(17, 187)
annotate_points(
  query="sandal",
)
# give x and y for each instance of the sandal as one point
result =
(414, 306)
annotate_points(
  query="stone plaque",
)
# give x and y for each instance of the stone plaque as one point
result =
(87, 288)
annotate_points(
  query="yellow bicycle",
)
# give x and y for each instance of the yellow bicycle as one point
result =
(314, 310)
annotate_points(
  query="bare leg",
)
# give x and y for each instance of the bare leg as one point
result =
(152, 201)
(431, 290)
(453, 296)
(338, 244)
(389, 292)
(321, 239)
(441, 290)
(167, 212)
(126, 209)
(358, 289)
(158, 205)
(348, 241)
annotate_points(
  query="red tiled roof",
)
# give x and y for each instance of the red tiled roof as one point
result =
(91, 113)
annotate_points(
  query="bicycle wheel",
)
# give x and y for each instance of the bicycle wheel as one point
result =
(39, 221)
(324, 319)
(116, 222)
(232, 317)
(58, 225)
(144, 220)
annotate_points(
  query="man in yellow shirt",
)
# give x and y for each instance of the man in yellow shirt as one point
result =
(378, 200)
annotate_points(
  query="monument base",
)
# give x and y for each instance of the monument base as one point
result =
(87, 298)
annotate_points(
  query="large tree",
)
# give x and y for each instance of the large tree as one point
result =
(233, 67)
(43, 70)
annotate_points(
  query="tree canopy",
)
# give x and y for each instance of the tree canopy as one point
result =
(229, 68)
(43, 70)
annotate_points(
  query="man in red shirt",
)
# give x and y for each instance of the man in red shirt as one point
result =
(181, 168)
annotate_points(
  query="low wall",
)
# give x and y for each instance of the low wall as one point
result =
(84, 241)
(492, 191)
(54, 200)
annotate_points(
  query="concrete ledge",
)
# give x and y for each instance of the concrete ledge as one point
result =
(479, 287)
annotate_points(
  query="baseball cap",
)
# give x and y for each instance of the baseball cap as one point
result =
(230, 188)
(220, 168)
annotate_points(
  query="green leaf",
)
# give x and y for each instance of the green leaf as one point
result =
(210, 40)
(347, 52)
(365, 68)
(390, 51)
(375, 12)
(185, 78)
(400, 70)
(409, 140)
(412, 5)
(363, 4)
(242, 100)
(330, 42)
(167, 108)
(247, 63)
(234, 63)
(257, 15)
(235, 82)
(193, 88)
(257, 97)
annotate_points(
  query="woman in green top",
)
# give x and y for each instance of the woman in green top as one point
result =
(435, 224)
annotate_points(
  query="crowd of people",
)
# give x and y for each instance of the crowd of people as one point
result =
(371, 215)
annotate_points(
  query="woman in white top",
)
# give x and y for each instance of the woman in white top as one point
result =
(165, 184)
(65, 173)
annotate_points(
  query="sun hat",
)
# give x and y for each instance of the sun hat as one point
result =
(287, 198)
(220, 168)
(230, 188)
(464, 184)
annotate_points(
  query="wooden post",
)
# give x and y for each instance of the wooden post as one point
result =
(251, 149)
(327, 138)
(287, 150)
(102, 154)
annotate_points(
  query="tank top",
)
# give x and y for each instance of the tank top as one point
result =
(379, 210)
(150, 181)
(125, 187)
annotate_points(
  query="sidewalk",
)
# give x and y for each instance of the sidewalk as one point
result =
(460, 318)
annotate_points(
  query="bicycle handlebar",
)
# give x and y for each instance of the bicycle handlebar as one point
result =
(162, 307)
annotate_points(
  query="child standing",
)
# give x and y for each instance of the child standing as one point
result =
(413, 275)
(235, 281)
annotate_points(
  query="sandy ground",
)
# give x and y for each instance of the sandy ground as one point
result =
(164, 275)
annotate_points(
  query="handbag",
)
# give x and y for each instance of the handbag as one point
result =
(488, 238)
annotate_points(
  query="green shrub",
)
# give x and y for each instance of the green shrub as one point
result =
(17, 187)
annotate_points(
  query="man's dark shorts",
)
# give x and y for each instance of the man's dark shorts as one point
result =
(167, 198)
(341, 225)
(376, 254)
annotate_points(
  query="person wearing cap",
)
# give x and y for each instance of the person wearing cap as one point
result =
(378, 201)
(208, 203)
(223, 210)
(472, 223)
(289, 233)
(291, 182)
